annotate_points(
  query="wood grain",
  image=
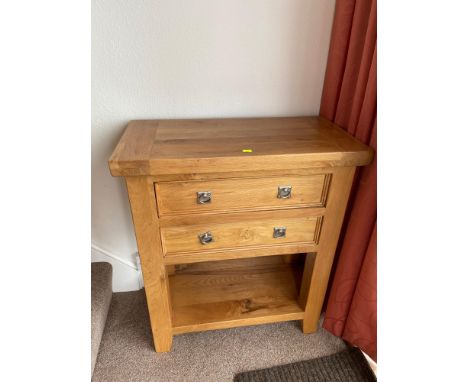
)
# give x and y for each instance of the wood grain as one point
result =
(155, 147)
(239, 253)
(234, 217)
(246, 174)
(143, 205)
(306, 279)
(194, 287)
(243, 231)
(244, 292)
(241, 194)
(317, 268)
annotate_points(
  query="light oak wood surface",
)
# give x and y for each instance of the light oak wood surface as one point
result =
(245, 276)
(154, 147)
(241, 194)
(313, 292)
(141, 196)
(227, 294)
(239, 253)
(241, 230)
(242, 174)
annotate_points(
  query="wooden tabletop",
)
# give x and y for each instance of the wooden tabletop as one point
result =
(156, 147)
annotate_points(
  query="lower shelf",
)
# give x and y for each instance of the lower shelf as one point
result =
(224, 294)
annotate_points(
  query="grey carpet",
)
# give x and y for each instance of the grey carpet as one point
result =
(347, 366)
(101, 295)
(127, 352)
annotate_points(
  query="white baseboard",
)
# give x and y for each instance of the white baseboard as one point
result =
(126, 276)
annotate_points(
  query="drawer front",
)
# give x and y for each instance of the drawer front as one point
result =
(221, 232)
(238, 194)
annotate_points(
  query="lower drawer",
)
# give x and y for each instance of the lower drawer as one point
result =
(231, 231)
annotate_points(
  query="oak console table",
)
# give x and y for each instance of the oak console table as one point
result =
(236, 220)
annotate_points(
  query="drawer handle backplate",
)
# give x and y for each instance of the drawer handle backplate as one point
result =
(204, 197)
(279, 232)
(206, 238)
(284, 192)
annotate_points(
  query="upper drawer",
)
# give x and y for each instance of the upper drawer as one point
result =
(241, 194)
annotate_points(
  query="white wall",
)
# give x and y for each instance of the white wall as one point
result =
(203, 58)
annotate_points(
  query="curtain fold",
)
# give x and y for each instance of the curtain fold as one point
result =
(349, 99)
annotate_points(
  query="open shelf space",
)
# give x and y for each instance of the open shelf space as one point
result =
(231, 293)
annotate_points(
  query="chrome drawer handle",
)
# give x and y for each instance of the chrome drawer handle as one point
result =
(279, 232)
(206, 237)
(204, 197)
(284, 192)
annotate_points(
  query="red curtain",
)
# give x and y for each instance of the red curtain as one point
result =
(350, 100)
